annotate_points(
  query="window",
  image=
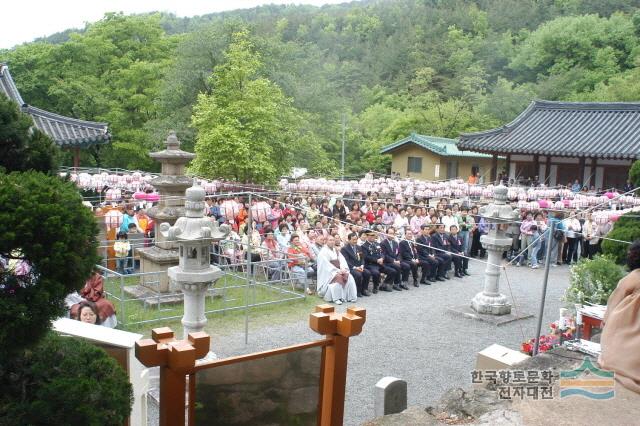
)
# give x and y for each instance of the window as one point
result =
(436, 172)
(452, 169)
(414, 165)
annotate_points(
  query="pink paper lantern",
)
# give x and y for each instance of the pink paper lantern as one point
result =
(609, 195)
(230, 209)
(139, 195)
(544, 204)
(153, 197)
(614, 217)
(260, 211)
(113, 219)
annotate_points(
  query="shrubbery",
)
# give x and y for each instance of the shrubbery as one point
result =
(42, 222)
(627, 228)
(634, 174)
(63, 381)
(593, 280)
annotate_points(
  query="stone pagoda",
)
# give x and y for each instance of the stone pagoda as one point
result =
(171, 186)
(501, 216)
(193, 234)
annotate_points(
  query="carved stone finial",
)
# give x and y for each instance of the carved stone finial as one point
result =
(172, 141)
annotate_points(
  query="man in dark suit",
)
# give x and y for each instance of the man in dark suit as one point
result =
(409, 255)
(456, 247)
(355, 259)
(391, 252)
(374, 263)
(440, 244)
(427, 254)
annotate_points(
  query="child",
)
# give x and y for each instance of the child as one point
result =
(122, 247)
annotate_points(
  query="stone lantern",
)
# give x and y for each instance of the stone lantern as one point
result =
(193, 234)
(501, 216)
(171, 185)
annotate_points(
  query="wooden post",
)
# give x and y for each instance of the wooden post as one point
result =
(581, 167)
(76, 157)
(494, 168)
(536, 166)
(337, 327)
(547, 171)
(592, 176)
(176, 359)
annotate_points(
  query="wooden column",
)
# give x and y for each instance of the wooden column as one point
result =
(337, 327)
(508, 166)
(581, 167)
(547, 170)
(76, 157)
(176, 359)
(592, 176)
(494, 168)
(536, 166)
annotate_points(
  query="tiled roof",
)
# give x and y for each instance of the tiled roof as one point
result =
(67, 132)
(440, 146)
(572, 129)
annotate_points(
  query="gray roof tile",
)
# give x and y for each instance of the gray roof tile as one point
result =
(67, 132)
(572, 129)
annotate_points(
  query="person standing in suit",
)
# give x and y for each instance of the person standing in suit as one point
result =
(409, 255)
(456, 246)
(440, 243)
(355, 259)
(391, 252)
(427, 255)
(374, 263)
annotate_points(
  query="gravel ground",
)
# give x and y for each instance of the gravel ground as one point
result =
(410, 335)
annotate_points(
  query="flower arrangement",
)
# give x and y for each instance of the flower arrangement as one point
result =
(560, 330)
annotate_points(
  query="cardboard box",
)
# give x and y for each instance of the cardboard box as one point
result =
(497, 357)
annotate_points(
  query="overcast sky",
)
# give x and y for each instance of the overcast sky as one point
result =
(24, 20)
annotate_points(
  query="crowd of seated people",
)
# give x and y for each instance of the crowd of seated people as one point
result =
(381, 246)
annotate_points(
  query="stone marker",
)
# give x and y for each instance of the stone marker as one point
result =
(391, 396)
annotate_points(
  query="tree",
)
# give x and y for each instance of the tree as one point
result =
(64, 381)
(22, 146)
(246, 126)
(597, 47)
(626, 228)
(43, 224)
(634, 174)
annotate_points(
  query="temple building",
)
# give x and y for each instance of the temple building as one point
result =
(559, 142)
(435, 158)
(66, 132)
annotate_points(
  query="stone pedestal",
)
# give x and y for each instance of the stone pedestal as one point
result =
(490, 301)
(194, 304)
(159, 260)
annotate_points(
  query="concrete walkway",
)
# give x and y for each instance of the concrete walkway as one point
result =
(411, 335)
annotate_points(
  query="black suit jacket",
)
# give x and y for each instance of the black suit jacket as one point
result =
(456, 244)
(371, 253)
(440, 243)
(390, 254)
(351, 257)
(423, 246)
(406, 254)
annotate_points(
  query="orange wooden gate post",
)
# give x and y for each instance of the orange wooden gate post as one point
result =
(176, 359)
(338, 327)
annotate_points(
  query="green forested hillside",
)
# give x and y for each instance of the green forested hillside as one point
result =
(388, 68)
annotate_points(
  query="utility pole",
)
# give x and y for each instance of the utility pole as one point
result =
(343, 129)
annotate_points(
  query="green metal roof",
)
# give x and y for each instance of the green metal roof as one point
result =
(441, 146)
